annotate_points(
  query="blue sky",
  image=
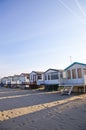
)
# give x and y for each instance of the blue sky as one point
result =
(41, 34)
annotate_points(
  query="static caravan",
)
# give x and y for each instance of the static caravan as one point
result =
(9, 81)
(74, 78)
(4, 81)
(15, 83)
(34, 77)
(24, 80)
(52, 79)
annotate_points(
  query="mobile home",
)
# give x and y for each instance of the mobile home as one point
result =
(24, 80)
(52, 78)
(74, 78)
(34, 77)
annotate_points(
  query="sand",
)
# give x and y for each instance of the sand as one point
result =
(40, 110)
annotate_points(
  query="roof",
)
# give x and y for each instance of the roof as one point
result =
(10, 77)
(74, 64)
(38, 72)
(25, 74)
(16, 76)
(57, 70)
(4, 78)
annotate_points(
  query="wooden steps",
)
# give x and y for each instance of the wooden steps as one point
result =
(67, 90)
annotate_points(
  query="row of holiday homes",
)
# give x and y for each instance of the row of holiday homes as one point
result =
(71, 78)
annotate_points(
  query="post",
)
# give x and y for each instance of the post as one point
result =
(84, 88)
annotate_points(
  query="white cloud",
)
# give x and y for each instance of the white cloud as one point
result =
(79, 6)
(83, 21)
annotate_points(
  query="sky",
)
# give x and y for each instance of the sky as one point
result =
(36, 35)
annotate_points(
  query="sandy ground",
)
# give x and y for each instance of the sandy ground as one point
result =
(39, 110)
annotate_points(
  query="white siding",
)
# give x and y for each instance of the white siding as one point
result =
(33, 77)
(76, 80)
(47, 77)
(51, 82)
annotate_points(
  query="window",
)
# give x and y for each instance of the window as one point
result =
(69, 74)
(48, 77)
(45, 77)
(27, 77)
(79, 73)
(30, 77)
(84, 71)
(74, 73)
(34, 78)
(61, 75)
(39, 77)
(54, 76)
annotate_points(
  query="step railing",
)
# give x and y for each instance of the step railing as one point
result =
(67, 90)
